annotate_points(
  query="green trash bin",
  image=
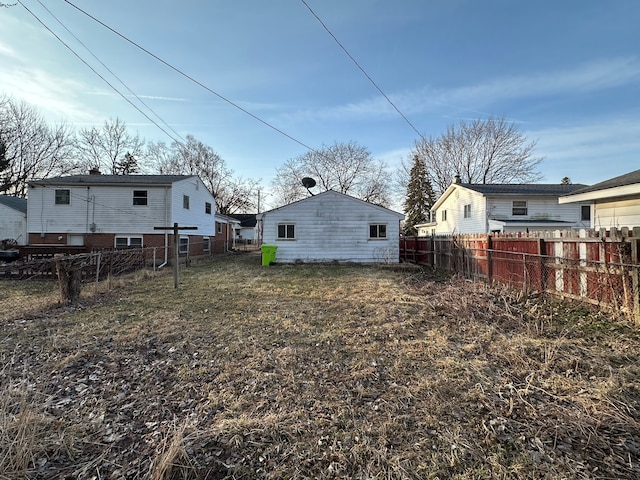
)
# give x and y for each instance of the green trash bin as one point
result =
(268, 254)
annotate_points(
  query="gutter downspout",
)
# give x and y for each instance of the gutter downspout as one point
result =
(166, 232)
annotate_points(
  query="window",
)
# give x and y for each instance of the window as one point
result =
(185, 202)
(63, 197)
(128, 242)
(443, 215)
(184, 245)
(286, 231)
(206, 244)
(207, 208)
(585, 213)
(467, 210)
(519, 207)
(219, 227)
(139, 197)
(377, 230)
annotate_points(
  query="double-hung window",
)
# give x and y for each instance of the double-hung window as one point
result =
(467, 210)
(585, 213)
(185, 202)
(286, 231)
(207, 208)
(140, 197)
(519, 207)
(63, 197)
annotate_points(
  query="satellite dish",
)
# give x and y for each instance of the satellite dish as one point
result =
(308, 182)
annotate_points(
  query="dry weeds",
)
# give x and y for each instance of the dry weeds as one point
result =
(318, 371)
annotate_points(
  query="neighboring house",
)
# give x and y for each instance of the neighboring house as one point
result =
(332, 226)
(225, 227)
(13, 219)
(614, 202)
(485, 208)
(120, 211)
(247, 231)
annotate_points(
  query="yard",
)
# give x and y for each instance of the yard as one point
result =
(316, 371)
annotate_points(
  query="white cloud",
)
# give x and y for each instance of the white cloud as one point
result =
(589, 77)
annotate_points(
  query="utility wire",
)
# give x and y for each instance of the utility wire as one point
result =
(112, 73)
(361, 69)
(187, 76)
(96, 72)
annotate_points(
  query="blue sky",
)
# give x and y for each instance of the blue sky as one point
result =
(567, 72)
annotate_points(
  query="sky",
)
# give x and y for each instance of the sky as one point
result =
(262, 81)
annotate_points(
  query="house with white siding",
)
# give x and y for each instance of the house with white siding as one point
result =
(120, 211)
(13, 219)
(332, 226)
(485, 208)
(614, 202)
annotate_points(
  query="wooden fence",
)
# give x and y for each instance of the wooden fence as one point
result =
(599, 267)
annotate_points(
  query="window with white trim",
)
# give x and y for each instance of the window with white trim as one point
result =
(377, 230)
(219, 227)
(286, 231)
(63, 197)
(140, 197)
(207, 208)
(519, 207)
(128, 242)
(185, 202)
(183, 245)
(206, 244)
(467, 210)
(585, 213)
(443, 215)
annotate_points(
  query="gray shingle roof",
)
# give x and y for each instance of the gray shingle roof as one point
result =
(19, 204)
(112, 180)
(551, 189)
(630, 178)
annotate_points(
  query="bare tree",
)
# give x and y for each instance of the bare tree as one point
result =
(344, 167)
(110, 148)
(232, 194)
(30, 148)
(482, 151)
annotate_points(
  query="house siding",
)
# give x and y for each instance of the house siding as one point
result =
(620, 213)
(13, 225)
(99, 213)
(456, 223)
(333, 227)
(538, 208)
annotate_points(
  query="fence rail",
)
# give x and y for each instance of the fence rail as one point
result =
(597, 267)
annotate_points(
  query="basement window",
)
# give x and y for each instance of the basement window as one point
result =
(184, 245)
(128, 242)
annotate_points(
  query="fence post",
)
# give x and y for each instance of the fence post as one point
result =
(98, 270)
(489, 259)
(635, 280)
(541, 265)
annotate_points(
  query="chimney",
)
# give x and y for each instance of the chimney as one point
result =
(457, 179)
(94, 171)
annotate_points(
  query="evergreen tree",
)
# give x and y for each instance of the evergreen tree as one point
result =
(420, 197)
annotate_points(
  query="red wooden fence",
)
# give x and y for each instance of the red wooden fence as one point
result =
(600, 267)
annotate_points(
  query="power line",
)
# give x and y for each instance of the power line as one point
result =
(344, 49)
(96, 72)
(110, 71)
(189, 77)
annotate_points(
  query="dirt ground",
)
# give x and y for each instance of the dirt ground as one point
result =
(316, 371)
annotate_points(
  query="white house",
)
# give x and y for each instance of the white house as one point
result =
(117, 211)
(485, 208)
(332, 226)
(13, 219)
(614, 202)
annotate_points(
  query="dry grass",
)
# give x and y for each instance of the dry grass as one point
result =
(322, 371)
